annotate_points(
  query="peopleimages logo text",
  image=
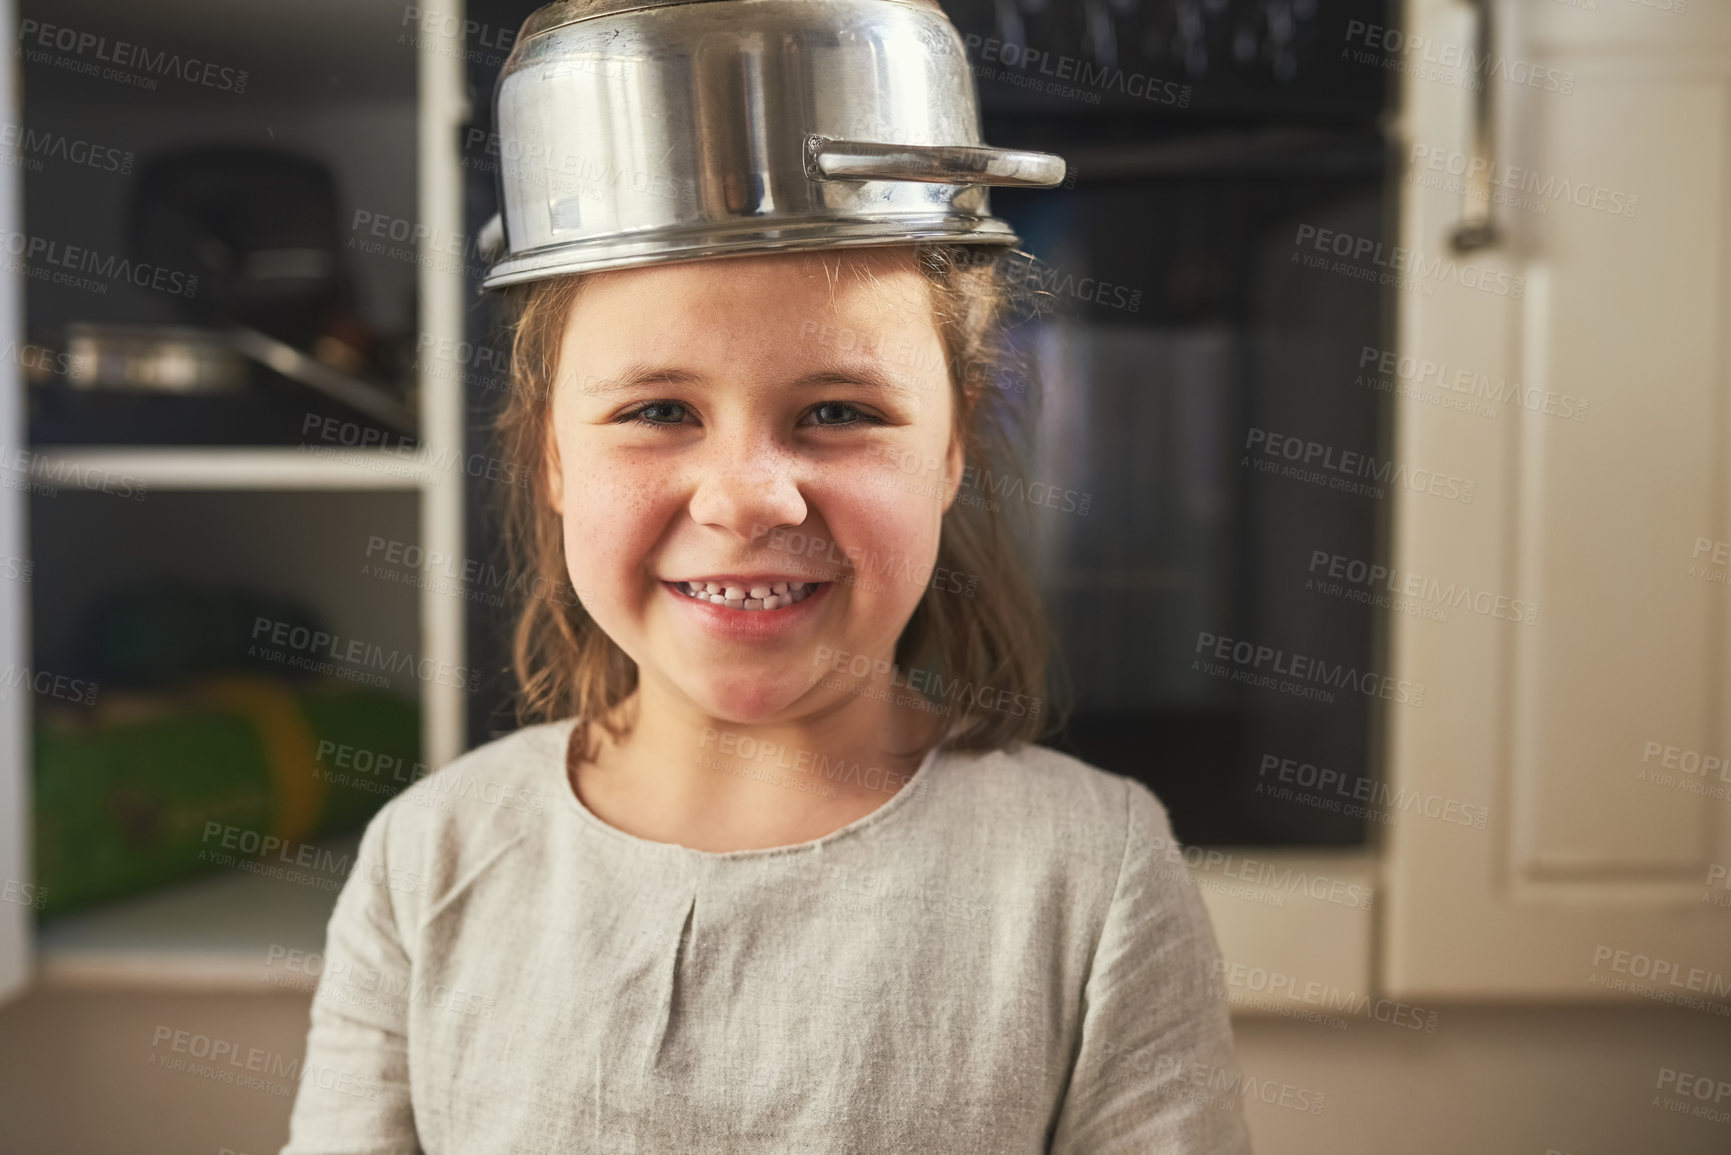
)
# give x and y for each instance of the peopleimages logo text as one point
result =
(308, 647)
(1449, 61)
(1252, 658)
(37, 252)
(124, 54)
(1357, 465)
(1400, 259)
(1087, 74)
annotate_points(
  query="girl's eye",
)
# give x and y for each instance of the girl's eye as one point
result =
(642, 414)
(830, 414)
(833, 408)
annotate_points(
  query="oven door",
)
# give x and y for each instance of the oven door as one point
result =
(1213, 414)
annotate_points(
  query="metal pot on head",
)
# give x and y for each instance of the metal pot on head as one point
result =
(635, 132)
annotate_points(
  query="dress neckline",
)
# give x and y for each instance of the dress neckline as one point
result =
(560, 770)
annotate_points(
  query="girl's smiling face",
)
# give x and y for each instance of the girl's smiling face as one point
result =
(749, 421)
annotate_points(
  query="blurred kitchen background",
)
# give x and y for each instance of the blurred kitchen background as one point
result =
(247, 375)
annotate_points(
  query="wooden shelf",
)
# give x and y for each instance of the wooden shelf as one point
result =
(212, 933)
(264, 467)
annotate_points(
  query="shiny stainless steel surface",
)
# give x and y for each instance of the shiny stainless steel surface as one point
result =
(184, 359)
(635, 132)
(151, 359)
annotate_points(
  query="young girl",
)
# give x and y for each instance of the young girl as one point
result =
(777, 866)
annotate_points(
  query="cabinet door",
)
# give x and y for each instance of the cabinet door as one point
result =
(16, 916)
(1586, 395)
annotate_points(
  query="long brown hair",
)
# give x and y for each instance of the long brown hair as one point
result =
(987, 647)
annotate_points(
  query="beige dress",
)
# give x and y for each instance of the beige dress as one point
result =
(1007, 956)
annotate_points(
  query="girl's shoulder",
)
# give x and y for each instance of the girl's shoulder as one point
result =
(1033, 778)
(482, 799)
(1037, 802)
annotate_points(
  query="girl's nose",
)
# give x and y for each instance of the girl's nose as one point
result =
(748, 484)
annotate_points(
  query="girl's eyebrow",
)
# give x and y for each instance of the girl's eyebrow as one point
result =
(641, 373)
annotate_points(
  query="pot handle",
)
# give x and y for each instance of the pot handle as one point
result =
(829, 159)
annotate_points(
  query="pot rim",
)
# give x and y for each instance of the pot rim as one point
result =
(563, 13)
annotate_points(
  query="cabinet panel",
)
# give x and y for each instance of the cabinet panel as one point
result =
(1603, 480)
(1625, 313)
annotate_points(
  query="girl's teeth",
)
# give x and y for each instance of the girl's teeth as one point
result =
(770, 597)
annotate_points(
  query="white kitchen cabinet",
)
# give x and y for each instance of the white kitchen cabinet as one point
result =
(214, 933)
(1585, 734)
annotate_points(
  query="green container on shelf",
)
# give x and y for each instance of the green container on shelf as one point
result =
(232, 772)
